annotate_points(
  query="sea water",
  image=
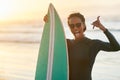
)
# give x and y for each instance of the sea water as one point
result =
(19, 47)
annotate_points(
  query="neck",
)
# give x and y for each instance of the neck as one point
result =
(80, 37)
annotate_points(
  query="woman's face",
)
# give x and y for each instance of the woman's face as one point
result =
(76, 27)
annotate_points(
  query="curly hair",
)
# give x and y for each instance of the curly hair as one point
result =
(79, 16)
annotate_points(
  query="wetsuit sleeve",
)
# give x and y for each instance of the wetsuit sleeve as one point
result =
(112, 45)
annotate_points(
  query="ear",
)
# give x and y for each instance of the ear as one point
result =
(84, 27)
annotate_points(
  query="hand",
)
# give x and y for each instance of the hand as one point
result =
(45, 18)
(98, 24)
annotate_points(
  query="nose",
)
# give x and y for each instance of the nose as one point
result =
(75, 28)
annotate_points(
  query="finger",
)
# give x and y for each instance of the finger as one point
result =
(91, 23)
(94, 23)
(98, 18)
(93, 27)
(45, 18)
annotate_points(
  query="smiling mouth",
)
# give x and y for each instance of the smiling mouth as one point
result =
(77, 33)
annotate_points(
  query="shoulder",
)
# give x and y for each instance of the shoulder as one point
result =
(92, 42)
(70, 41)
(86, 40)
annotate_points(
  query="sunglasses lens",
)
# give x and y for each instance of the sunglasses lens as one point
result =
(71, 25)
(78, 25)
(75, 25)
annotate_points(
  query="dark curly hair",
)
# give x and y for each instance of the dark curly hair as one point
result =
(79, 16)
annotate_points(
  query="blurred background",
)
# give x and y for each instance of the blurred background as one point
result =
(21, 26)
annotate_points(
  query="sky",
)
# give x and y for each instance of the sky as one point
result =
(30, 10)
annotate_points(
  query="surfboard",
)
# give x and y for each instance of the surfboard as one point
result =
(52, 63)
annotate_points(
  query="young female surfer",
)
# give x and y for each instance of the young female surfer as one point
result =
(82, 50)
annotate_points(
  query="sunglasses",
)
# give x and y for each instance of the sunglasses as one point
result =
(75, 25)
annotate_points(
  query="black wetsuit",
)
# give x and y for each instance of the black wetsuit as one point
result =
(82, 55)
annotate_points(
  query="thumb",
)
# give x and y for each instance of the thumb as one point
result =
(93, 27)
(98, 18)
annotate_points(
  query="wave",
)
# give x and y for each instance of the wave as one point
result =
(33, 35)
(21, 37)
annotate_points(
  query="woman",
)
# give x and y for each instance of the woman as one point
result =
(82, 50)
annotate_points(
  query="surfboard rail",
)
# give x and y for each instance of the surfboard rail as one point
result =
(52, 61)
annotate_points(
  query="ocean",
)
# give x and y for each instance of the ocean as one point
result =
(19, 46)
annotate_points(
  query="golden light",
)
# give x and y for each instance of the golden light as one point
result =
(13, 10)
(6, 9)
(18, 10)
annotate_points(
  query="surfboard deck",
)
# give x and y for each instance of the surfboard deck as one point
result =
(52, 63)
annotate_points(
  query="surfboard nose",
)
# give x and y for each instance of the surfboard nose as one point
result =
(51, 5)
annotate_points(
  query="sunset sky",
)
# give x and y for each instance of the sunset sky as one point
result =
(24, 10)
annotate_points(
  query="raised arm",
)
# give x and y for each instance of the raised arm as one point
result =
(113, 45)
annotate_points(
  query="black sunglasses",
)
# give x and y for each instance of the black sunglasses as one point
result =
(75, 25)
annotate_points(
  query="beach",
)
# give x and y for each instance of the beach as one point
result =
(21, 28)
(19, 47)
